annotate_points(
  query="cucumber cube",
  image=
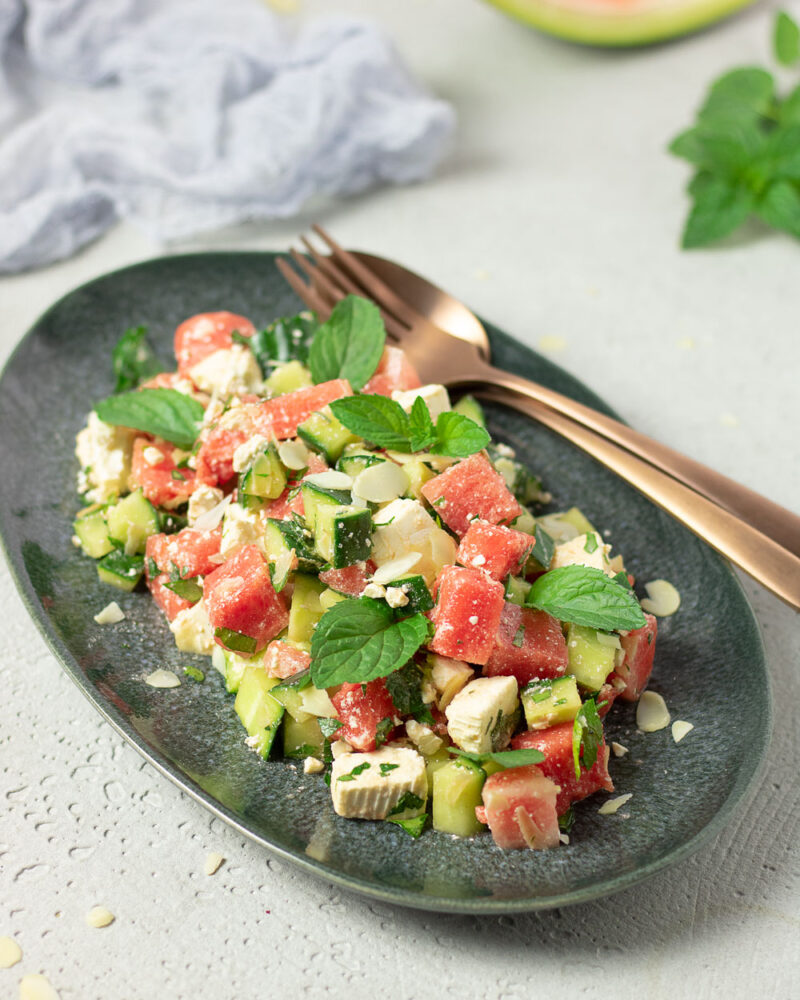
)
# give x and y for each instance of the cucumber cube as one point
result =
(259, 712)
(457, 788)
(288, 377)
(324, 433)
(416, 590)
(315, 498)
(131, 521)
(590, 659)
(265, 477)
(517, 590)
(280, 537)
(302, 739)
(91, 529)
(306, 609)
(343, 535)
(547, 703)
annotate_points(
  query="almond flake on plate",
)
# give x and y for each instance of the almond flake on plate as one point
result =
(652, 713)
(212, 863)
(612, 805)
(10, 952)
(681, 729)
(662, 599)
(619, 750)
(110, 615)
(36, 987)
(99, 917)
(163, 679)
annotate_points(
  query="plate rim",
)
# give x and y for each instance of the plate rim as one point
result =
(744, 782)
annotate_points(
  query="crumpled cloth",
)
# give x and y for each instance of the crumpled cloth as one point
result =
(184, 116)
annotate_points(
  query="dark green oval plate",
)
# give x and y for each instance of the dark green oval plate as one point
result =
(709, 665)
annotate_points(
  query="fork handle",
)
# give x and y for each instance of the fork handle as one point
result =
(769, 518)
(761, 557)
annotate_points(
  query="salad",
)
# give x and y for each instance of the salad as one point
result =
(369, 572)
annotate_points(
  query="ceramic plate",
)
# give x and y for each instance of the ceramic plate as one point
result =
(709, 663)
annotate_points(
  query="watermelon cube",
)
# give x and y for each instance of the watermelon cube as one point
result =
(351, 580)
(640, 648)
(240, 599)
(558, 764)
(468, 490)
(529, 645)
(394, 371)
(281, 416)
(282, 660)
(153, 467)
(494, 549)
(520, 806)
(191, 552)
(467, 614)
(361, 708)
(199, 336)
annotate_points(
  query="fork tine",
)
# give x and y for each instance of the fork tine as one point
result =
(304, 291)
(380, 292)
(321, 282)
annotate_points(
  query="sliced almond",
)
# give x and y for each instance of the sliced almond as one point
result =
(163, 679)
(293, 454)
(36, 987)
(212, 863)
(396, 569)
(110, 615)
(381, 482)
(681, 729)
(618, 749)
(99, 916)
(662, 599)
(10, 952)
(612, 805)
(330, 480)
(211, 519)
(652, 713)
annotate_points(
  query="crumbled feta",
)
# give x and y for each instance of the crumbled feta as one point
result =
(240, 527)
(340, 747)
(473, 619)
(228, 372)
(110, 615)
(396, 597)
(311, 765)
(374, 590)
(576, 553)
(404, 526)
(203, 500)
(435, 397)
(361, 788)
(243, 455)
(104, 453)
(476, 715)
(192, 630)
(152, 455)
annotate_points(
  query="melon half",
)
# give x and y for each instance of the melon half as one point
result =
(618, 22)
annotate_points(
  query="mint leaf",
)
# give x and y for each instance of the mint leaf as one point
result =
(378, 419)
(505, 758)
(742, 95)
(782, 152)
(350, 344)
(328, 727)
(421, 430)
(405, 687)
(586, 596)
(358, 640)
(587, 735)
(164, 413)
(133, 359)
(189, 590)
(413, 827)
(689, 146)
(457, 436)
(719, 208)
(286, 339)
(789, 109)
(786, 39)
(780, 207)
(544, 548)
(195, 673)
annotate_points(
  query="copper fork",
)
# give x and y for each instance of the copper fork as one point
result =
(460, 361)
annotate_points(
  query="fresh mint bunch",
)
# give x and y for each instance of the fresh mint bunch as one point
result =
(745, 147)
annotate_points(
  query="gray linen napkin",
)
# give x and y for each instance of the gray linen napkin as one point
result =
(188, 115)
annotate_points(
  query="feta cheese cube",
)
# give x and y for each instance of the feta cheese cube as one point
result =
(584, 550)
(477, 715)
(369, 785)
(192, 630)
(435, 396)
(404, 526)
(104, 453)
(242, 527)
(228, 372)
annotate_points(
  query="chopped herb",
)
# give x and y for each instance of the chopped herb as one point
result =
(587, 735)
(195, 674)
(413, 827)
(358, 769)
(544, 547)
(566, 820)
(407, 801)
(177, 474)
(301, 752)
(519, 637)
(189, 590)
(328, 727)
(152, 567)
(540, 690)
(405, 688)
(382, 730)
(235, 641)
(133, 360)
(299, 681)
(506, 758)
(591, 543)
(386, 768)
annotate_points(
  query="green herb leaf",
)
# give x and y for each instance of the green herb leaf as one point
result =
(358, 769)
(133, 359)
(780, 207)
(236, 641)
(405, 688)
(407, 801)
(378, 419)
(350, 344)
(786, 39)
(328, 727)
(286, 339)
(545, 546)
(297, 682)
(519, 637)
(421, 430)
(387, 768)
(358, 640)
(718, 209)
(566, 820)
(741, 95)
(590, 545)
(505, 758)
(165, 413)
(587, 735)
(413, 827)
(195, 674)
(189, 590)
(586, 596)
(457, 436)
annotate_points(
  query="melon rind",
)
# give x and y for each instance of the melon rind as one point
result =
(618, 23)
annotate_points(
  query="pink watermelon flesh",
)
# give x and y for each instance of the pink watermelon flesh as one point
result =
(468, 490)
(640, 648)
(494, 549)
(529, 645)
(199, 336)
(519, 805)
(467, 614)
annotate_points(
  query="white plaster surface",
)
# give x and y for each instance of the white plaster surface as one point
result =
(557, 216)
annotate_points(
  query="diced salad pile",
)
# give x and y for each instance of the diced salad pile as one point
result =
(364, 567)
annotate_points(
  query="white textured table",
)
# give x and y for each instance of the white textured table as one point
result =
(557, 217)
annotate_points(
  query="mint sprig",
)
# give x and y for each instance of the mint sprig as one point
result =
(745, 148)
(350, 344)
(384, 422)
(360, 639)
(586, 596)
(164, 413)
(133, 359)
(285, 339)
